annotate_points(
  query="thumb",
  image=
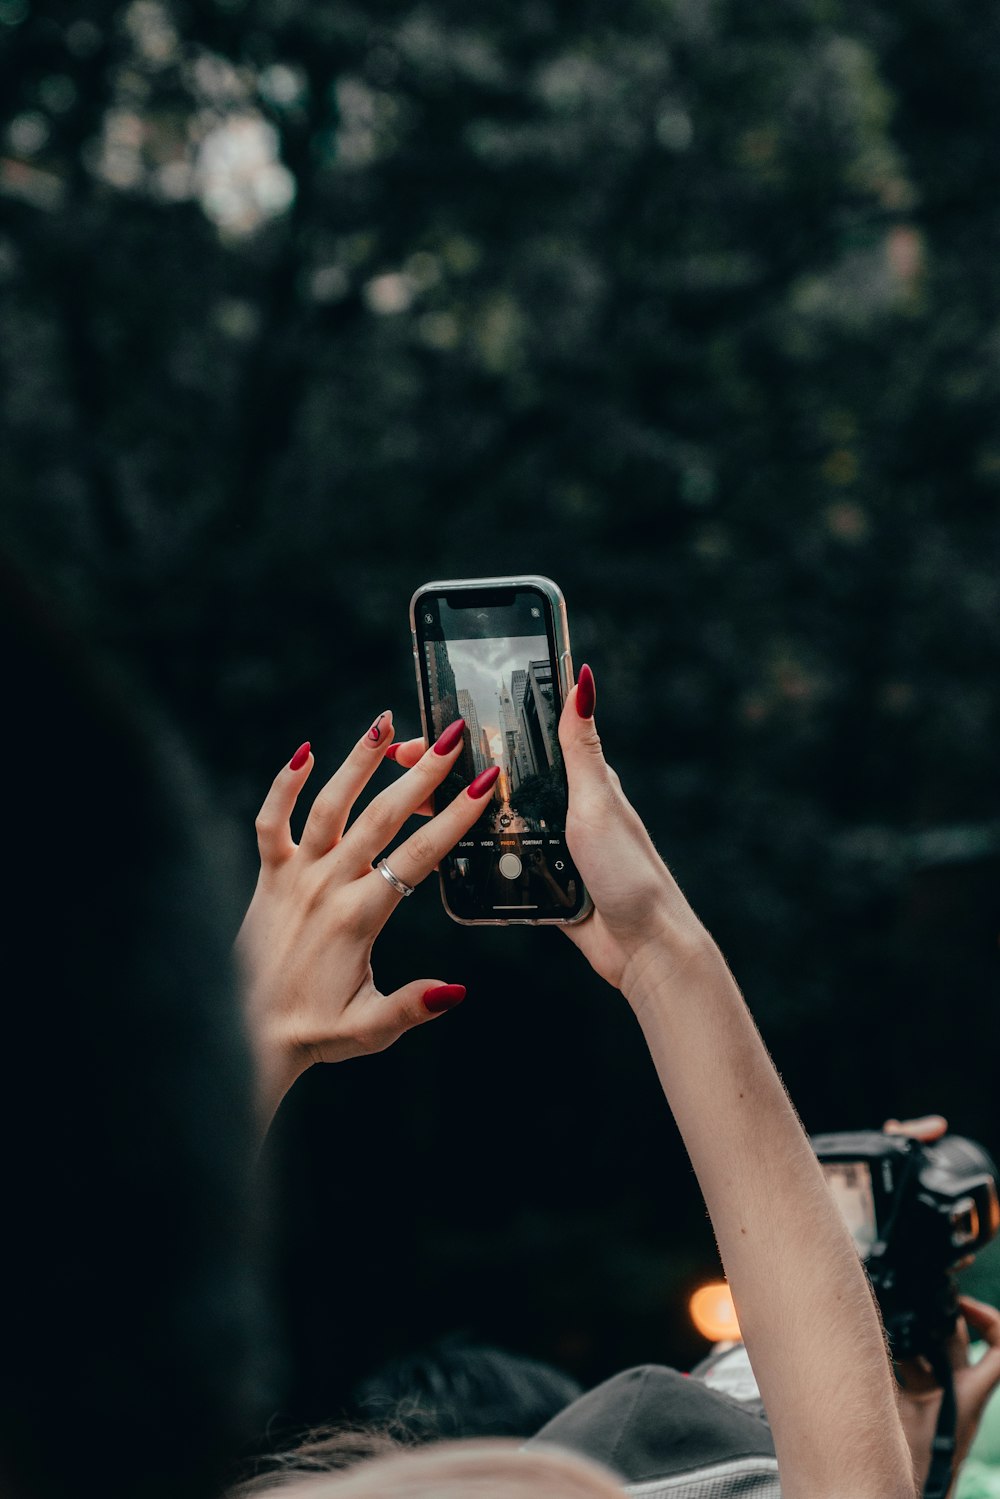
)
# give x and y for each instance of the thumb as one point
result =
(421, 1000)
(578, 736)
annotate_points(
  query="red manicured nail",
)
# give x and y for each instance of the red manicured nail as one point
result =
(451, 737)
(392, 751)
(378, 728)
(444, 997)
(483, 782)
(586, 692)
(300, 757)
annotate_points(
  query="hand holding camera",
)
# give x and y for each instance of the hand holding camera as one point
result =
(922, 1395)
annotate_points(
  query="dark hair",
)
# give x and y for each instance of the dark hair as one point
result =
(456, 1388)
(131, 1307)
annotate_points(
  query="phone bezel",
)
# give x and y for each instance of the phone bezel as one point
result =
(564, 676)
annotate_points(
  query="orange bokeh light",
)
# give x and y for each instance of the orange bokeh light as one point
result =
(713, 1313)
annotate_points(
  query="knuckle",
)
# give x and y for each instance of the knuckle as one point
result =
(600, 802)
(429, 771)
(380, 819)
(371, 1039)
(265, 824)
(354, 915)
(322, 810)
(323, 826)
(420, 847)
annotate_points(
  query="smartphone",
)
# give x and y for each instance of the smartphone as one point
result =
(495, 651)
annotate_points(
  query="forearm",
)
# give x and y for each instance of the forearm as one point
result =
(805, 1308)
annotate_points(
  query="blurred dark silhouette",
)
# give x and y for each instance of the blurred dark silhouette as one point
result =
(135, 1350)
(457, 1388)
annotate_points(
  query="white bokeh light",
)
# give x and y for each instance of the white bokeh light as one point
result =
(239, 179)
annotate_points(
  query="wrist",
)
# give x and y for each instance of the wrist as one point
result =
(663, 961)
(279, 1062)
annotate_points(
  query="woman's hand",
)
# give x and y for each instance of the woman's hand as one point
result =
(640, 916)
(305, 944)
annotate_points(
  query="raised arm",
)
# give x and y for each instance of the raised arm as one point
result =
(810, 1324)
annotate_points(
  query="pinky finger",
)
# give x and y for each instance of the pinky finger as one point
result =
(274, 834)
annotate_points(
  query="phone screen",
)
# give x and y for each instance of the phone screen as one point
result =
(489, 656)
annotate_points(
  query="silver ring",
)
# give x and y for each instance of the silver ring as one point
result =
(394, 880)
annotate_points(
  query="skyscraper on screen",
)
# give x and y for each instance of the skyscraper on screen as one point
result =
(474, 733)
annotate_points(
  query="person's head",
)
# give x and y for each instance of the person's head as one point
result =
(465, 1470)
(130, 1304)
(457, 1388)
(324, 1450)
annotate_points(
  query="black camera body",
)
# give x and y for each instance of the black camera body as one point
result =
(915, 1211)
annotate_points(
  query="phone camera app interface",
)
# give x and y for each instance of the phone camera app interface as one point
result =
(494, 667)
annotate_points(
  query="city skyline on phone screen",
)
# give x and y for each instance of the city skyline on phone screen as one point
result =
(504, 686)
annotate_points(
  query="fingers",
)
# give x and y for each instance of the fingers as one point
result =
(415, 858)
(274, 836)
(378, 1020)
(983, 1378)
(422, 1000)
(406, 752)
(326, 822)
(382, 819)
(927, 1128)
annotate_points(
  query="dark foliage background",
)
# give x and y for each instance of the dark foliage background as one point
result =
(689, 304)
